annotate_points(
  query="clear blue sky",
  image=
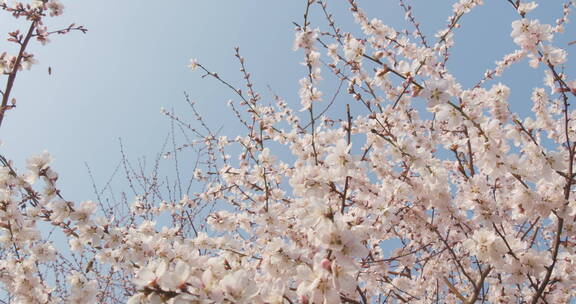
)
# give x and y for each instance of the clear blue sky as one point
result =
(112, 82)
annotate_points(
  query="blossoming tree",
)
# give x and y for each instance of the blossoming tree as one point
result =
(478, 199)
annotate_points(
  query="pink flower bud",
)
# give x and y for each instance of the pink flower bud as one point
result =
(326, 264)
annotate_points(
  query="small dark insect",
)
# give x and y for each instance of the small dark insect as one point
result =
(89, 267)
(49, 70)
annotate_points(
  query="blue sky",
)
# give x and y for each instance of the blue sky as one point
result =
(112, 82)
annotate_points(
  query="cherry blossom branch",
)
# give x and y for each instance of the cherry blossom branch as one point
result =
(349, 142)
(567, 188)
(410, 16)
(70, 28)
(15, 68)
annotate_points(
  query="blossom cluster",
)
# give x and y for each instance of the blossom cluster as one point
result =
(475, 201)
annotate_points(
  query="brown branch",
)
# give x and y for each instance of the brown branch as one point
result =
(454, 290)
(479, 286)
(12, 75)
